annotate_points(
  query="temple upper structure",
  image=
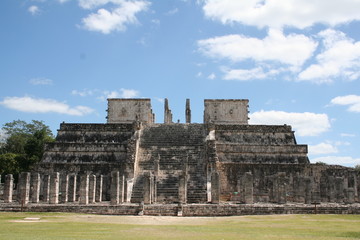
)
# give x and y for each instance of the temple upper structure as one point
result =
(226, 111)
(129, 110)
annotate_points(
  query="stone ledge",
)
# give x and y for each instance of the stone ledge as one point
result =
(203, 210)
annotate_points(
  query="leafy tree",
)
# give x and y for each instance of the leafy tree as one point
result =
(357, 168)
(9, 163)
(321, 163)
(23, 145)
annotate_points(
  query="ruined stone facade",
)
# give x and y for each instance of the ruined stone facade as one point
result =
(132, 160)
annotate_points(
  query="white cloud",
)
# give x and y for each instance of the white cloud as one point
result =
(33, 10)
(347, 161)
(123, 93)
(340, 58)
(212, 76)
(280, 13)
(117, 19)
(39, 105)
(172, 12)
(353, 101)
(83, 93)
(245, 74)
(274, 47)
(322, 148)
(160, 100)
(63, 1)
(129, 93)
(305, 124)
(90, 4)
(41, 81)
(347, 135)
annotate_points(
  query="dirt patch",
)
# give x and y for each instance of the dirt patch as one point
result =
(28, 220)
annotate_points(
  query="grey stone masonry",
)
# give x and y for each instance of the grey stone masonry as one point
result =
(84, 189)
(72, 188)
(223, 159)
(64, 188)
(99, 188)
(129, 110)
(45, 189)
(167, 112)
(115, 188)
(215, 187)
(183, 188)
(9, 188)
(147, 188)
(92, 188)
(24, 188)
(350, 195)
(188, 111)
(248, 188)
(54, 188)
(35, 187)
(339, 189)
(308, 189)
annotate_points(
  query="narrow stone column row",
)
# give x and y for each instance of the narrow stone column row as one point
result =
(53, 188)
(117, 188)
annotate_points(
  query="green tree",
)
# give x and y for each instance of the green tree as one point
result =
(23, 145)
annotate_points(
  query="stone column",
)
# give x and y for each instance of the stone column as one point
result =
(35, 187)
(308, 189)
(331, 187)
(92, 188)
(167, 112)
(183, 189)
(64, 188)
(24, 188)
(99, 188)
(54, 188)
(350, 195)
(122, 189)
(72, 188)
(215, 187)
(115, 188)
(46, 188)
(8, 189)
(84, 189)
(129, 187)
(188, 111)
(147, 188)
(248, 188)
(282, 181)
(339, 189)
(299, 189)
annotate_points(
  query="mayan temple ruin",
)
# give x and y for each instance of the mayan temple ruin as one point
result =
(223, 166)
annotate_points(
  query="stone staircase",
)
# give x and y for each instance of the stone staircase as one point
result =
(165, 151)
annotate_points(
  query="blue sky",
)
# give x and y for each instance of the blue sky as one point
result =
(298, 62)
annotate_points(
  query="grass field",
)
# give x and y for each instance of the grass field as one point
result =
(81, 226)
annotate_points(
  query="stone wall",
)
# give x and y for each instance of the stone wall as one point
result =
(226, 111)
(130, 110)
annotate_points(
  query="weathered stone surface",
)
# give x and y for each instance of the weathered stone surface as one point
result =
(84, 189)
(54, 188)
(24, 188)
(132, 160)
(8, 188)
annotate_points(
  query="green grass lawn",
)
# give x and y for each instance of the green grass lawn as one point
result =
(81, 226)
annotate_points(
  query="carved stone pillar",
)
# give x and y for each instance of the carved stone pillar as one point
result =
(9, 188)
(54, 188)
(24, 188)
